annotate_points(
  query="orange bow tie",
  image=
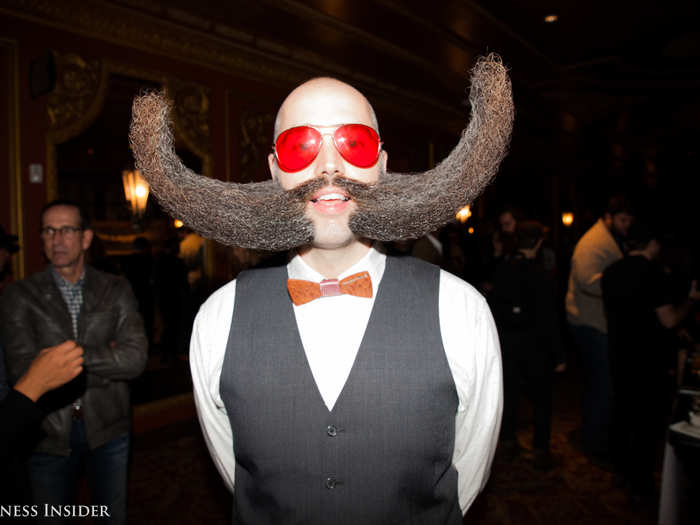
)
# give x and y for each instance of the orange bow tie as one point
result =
(302, 292)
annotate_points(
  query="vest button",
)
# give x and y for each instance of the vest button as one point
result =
(332, 430)
(331, 483)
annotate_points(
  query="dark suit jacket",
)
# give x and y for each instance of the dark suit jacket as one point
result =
(33, 316)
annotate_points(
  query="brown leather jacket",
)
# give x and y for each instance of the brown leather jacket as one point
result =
(33, 316)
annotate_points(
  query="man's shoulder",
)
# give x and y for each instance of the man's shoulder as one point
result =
(449, 283)
(28, 286)
(631, 268)
(219, 301)
(620, 266)
(597, 240)
(410, 265)
(591, 236)
(460, 290)
(99, 280)
(100, 275)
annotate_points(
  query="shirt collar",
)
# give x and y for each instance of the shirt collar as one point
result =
(63, 283)
(373, 262)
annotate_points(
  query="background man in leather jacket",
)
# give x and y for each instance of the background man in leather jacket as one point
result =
(87, 422)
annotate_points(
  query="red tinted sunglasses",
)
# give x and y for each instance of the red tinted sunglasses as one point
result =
(296, 148)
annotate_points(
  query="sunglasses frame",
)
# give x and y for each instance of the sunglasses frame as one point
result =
(335, 144)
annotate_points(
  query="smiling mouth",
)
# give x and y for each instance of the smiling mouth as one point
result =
(331, 197)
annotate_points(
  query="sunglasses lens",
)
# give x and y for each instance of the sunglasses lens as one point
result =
(296, 148)
(358, 144)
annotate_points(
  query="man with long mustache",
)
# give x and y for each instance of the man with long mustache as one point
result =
(347, 387)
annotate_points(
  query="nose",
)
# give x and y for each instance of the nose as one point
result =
(329, 162)
(57, 238)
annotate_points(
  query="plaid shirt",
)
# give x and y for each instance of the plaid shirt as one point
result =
(73, 296)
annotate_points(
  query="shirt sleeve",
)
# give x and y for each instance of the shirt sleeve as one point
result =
(587, 268)
(19, 420)
(595, 251)
(471, 345)
(207, 350)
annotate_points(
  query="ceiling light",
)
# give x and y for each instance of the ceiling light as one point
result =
(551, 18)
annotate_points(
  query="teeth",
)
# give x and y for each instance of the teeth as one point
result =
(332, 197)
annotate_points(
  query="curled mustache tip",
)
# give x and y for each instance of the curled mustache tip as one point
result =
(255, 215)
(401, 207)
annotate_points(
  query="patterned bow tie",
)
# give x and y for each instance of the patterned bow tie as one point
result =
(302, 292)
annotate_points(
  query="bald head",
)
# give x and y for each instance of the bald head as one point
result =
(324, 101)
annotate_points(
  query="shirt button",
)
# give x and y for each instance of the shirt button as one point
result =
(332, 430)
(331, 483)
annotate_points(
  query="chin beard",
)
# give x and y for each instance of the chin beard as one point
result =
(263, 216)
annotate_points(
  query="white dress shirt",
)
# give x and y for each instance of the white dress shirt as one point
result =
(469, 338)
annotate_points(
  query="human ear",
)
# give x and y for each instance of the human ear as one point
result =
(87, 239)
(272, 164)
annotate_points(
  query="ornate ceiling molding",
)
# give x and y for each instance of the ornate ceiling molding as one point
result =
(174, 34)
(254, 142)
(191, 114)
(78, 96)
(384, 45)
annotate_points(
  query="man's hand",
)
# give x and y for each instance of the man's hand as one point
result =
(531, 253)
(51, 368)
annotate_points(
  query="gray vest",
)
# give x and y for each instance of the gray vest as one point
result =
(383, 455)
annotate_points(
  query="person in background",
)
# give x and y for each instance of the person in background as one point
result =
(139, 271)
(8, 247)
(501, 242)
(595, 251)
(508, 221)
(641, 314)
(88, 419)
(172, 297)
(523, 301)
(430, 248)
(503, 238)
(20, 415)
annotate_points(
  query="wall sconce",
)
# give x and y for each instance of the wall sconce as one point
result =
(567, 218)
(464, 214)
(136, 191)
